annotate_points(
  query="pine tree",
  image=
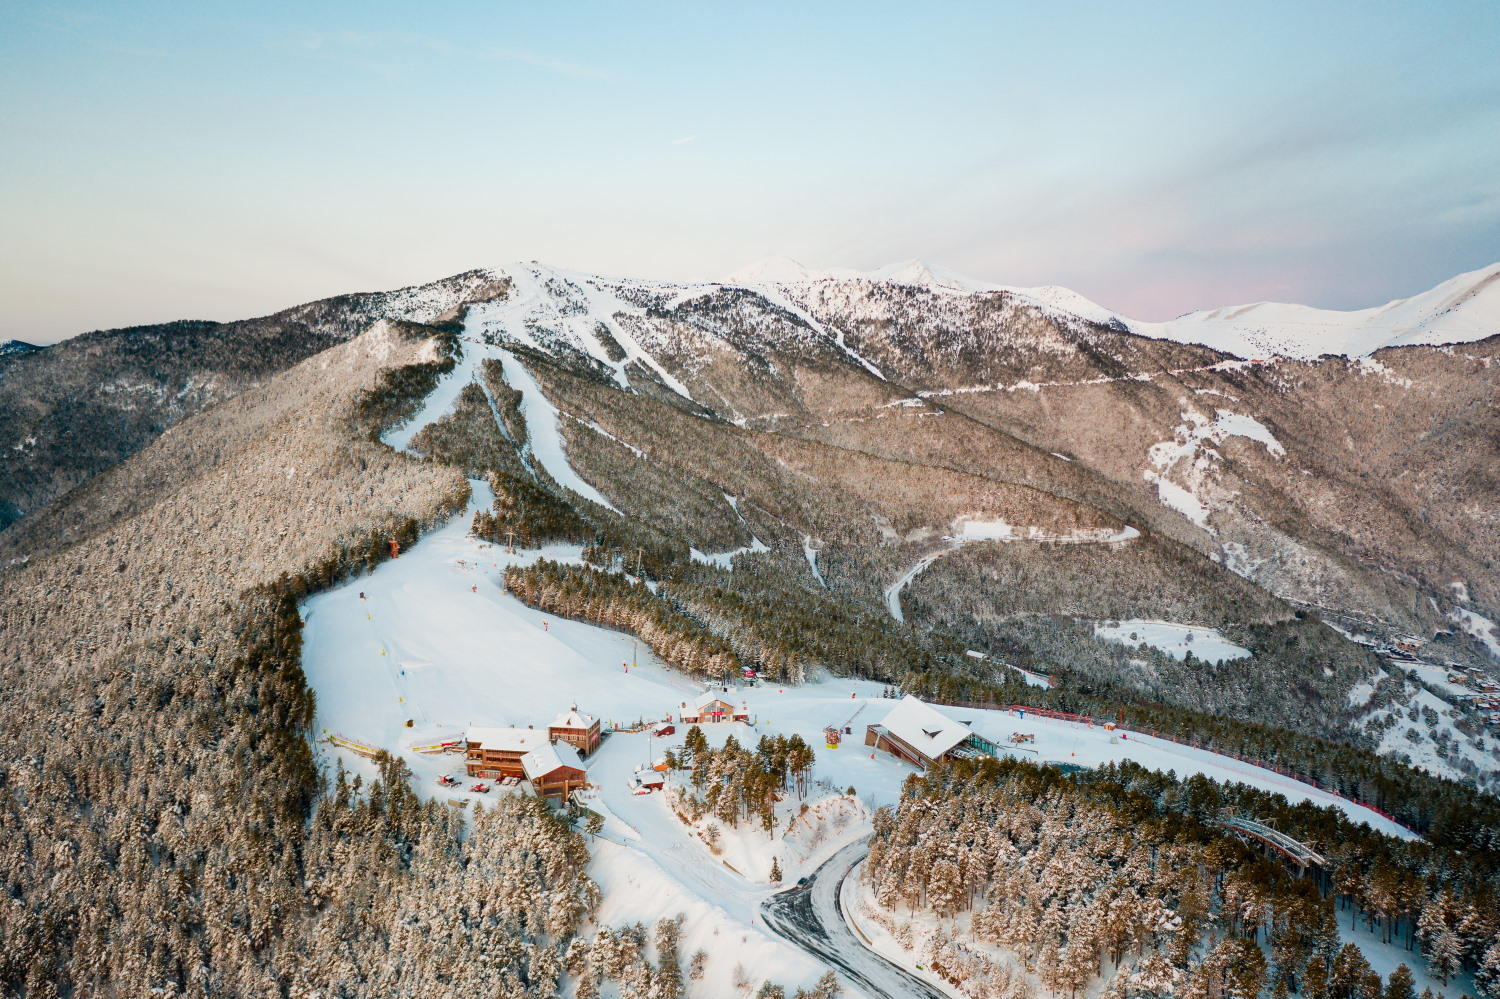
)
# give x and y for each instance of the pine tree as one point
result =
(1487, 978)
(1400, 985)
(775, 871)
(1315, 979)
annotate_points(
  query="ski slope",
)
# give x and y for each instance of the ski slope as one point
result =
(432, 638)
(436, 640)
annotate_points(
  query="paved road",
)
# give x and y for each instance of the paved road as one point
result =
(808, 915)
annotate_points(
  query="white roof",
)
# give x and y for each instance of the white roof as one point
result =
(573, 718)
(710, 696)
(522, 739)
(922, 727)
(542, 761)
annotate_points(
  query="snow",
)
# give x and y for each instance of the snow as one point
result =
(546, 441)
(1481, 628)
(549, 757)
(893, 592)
(1177, 498)
(1176, 640)
(1384, 958)
(1460, 310)
(776, 271)
(592, 425)
(432, 639)
(486, 659)
(980, 529)
(924, 728)
(639, 887)
(546, 435)
(811, 554)
(1423, 751)
(1191, 442)
(725, 560)
(548, 308)
(439, 402)
(999, 530)
(511, 737)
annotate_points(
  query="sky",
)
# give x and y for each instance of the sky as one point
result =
(218, 160)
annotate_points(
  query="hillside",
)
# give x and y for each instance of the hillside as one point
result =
(815, 483)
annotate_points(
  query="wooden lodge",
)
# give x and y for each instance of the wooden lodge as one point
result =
(711, 707)
(578, 730)
(496, 752)
(919, 734)
(555, 770)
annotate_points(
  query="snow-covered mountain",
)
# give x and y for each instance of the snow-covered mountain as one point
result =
(1460, 310)
(896, 479)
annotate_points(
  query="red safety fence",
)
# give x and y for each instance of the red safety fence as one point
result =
(1167, 736)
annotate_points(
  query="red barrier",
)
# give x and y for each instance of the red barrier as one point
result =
(1067, 716)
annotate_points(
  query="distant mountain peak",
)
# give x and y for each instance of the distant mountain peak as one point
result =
(12, 347)
(1460, 310)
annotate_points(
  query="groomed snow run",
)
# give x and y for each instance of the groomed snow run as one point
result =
(546, 442)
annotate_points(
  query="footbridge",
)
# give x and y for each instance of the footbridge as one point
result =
(1297, 852)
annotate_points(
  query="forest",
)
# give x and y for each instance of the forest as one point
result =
(1121, 872)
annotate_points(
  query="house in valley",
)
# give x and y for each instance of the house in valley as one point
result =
(578, 730)
(497, 752)
(555, 770)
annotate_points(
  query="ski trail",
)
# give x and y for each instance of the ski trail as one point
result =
(811, 554)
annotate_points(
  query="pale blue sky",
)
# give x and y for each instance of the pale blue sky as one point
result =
(212, 160)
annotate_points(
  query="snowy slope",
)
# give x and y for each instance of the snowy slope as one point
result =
(1460, 310)
(776, 271)
(430, 644)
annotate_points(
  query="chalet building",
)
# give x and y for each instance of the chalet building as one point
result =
(497, 752)
(921, 735)
(578, 730)
(555, 770)
(711, 707)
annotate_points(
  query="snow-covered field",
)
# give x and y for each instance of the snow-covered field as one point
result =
(1176, 640)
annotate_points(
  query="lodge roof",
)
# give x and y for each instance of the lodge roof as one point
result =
(924, 728)
(544, 760)
(512, 738)
(573, 718)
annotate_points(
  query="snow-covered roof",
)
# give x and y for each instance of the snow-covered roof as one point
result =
(709, 697)
(542, 761)
(522, 739)
(922, 727)
(573, 718)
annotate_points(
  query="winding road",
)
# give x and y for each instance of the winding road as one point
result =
(809, 916)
